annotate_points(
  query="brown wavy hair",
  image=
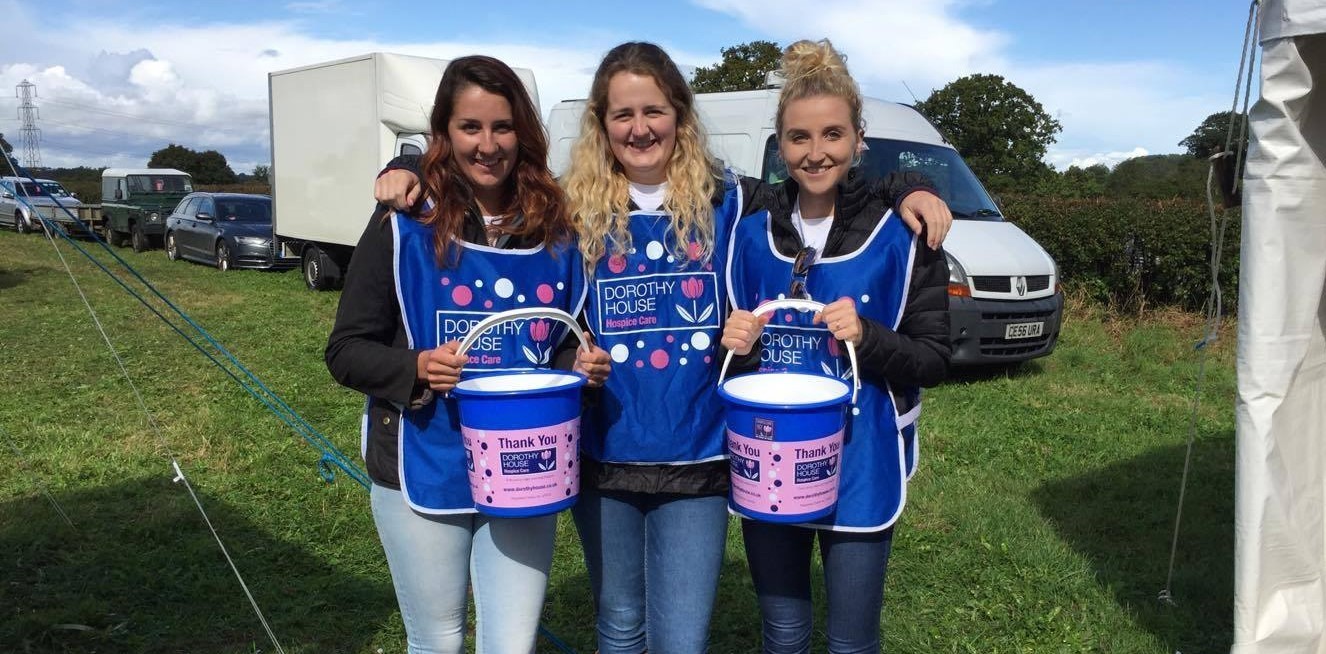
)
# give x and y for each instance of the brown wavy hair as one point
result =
(531, 193)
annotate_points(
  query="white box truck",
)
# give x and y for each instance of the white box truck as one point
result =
(334, 125)
(1004, 291)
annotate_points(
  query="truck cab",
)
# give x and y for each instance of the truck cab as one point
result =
(1004, 296)
(135, 203)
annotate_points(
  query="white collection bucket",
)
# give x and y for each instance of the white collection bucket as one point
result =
(785, 436)
(521, 430)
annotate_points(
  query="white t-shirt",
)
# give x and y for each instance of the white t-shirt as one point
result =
(649, 197)
(814, 231)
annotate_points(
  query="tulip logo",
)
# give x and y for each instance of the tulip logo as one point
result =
(693, 289)
(835, 352)
(539, 332)
(547, 462)
(746, 468)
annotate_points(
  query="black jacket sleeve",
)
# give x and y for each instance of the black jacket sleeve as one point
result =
(408, 162)
(918, 353)
(367, 350)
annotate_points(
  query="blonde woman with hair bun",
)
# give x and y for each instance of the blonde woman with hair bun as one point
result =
(830, 235)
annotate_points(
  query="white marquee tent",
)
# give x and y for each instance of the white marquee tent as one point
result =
(1280, 505)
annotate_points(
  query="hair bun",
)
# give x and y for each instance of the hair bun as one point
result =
(812, 58)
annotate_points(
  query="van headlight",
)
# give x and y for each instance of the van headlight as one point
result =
(957, 278)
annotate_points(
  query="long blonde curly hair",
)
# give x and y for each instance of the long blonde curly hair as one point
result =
(596, 185)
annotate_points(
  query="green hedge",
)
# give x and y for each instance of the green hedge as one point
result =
(1132, 252)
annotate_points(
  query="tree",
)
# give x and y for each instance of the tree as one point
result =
(213, 169)
(1000, 129)
(261, 171)
(1076, 182)
(208, 167)
(11, 164)
(743, 68)
(1209, 137)
(1159, 177)
(174, 156)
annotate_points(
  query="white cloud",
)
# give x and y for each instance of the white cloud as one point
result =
(1063, 159)
(1101, 105)
(106, 98)
(886, 42)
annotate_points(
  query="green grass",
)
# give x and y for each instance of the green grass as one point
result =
(1039, 521)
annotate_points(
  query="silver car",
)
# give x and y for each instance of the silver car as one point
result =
(20, 196)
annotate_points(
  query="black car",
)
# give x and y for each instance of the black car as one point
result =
(227, 230)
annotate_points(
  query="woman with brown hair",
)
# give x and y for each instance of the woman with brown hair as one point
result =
(493, 234)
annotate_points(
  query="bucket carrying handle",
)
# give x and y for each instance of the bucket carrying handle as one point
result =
(804, 305)
(526, 313)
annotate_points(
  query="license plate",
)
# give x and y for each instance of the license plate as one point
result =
(1023, 330)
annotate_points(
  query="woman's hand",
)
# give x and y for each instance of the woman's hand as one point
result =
(841, 319)
(399, 189)
(918, 207)
(594, 363)
(441, 367)
(741, 330)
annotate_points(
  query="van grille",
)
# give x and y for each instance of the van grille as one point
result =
(990, 284)
(993, 284)
(999, 347)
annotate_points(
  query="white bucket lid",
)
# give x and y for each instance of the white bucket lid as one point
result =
(786, 388)
(518, 382)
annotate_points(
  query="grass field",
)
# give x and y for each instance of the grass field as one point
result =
(1040, 519)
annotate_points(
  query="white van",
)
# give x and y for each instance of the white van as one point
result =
(1003, 287)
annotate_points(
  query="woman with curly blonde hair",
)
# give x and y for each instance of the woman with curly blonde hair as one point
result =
(649, 204)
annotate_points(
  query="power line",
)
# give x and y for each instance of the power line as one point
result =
(119, 114)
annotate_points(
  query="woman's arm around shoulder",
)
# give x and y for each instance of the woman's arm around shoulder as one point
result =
(918, 353)
(361, 351)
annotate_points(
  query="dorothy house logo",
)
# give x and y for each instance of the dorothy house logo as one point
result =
(511, 345)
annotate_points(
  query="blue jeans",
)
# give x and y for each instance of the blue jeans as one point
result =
(653, 566)
(434, 558)
(854, 567)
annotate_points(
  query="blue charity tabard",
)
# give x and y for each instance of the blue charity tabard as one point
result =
(880, 450)
(660, 317)
(439, 305)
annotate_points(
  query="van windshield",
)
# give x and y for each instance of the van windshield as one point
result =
(956, 183)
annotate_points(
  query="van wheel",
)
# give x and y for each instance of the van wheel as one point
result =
(321, 273)
(172, 248)
(138, 239)
(222, 256)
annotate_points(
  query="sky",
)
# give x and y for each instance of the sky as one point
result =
(117, 81)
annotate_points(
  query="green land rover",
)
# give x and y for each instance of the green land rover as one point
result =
(136, 201)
